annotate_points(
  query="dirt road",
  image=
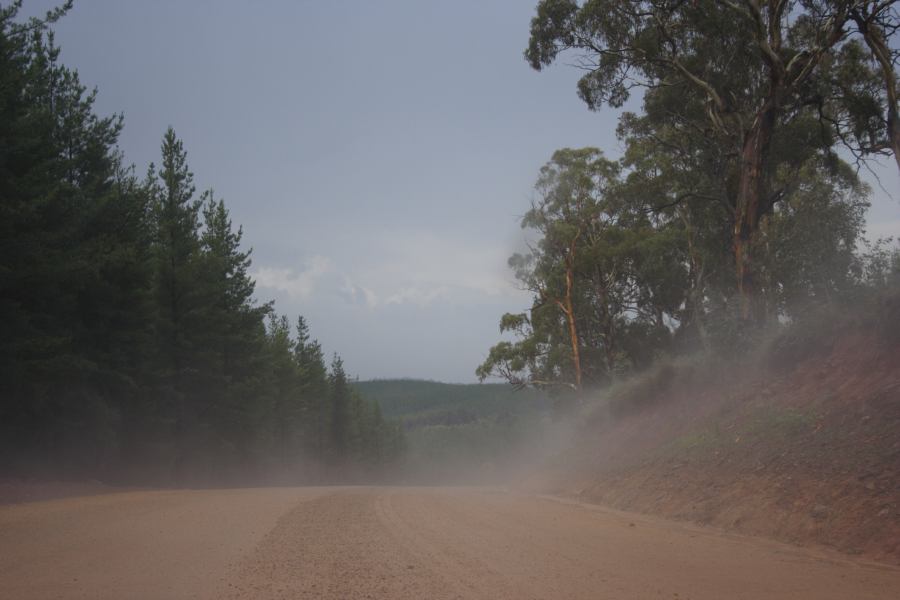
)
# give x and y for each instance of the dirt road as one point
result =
(400, 543)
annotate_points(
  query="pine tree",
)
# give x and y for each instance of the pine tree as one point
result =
(72, 260)
(313, 389)
(285, 414)
(230, 329)
(340, 410)
(129, 333)
(176, 248)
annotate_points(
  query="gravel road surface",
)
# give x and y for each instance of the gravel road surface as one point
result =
(396, 542)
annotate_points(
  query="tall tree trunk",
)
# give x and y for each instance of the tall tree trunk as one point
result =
(568, 308)
(573, 330)
(750, 205)
(695, 276)
(607, 325)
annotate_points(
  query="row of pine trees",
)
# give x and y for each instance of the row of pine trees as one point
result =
(132, 347)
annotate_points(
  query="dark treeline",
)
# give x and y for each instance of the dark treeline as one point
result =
(131, 346)
(733, 210)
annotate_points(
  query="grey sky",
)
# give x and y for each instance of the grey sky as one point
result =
(378, 154)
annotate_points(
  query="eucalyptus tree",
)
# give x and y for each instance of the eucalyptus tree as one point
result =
(570, 207)
(782, 72)
(877, 23)
(604, 276)
(813, 241)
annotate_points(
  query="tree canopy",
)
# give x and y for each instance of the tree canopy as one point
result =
(731, 206)
(132, 345)
(770, 85)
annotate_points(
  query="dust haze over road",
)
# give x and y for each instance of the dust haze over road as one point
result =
(399, 542)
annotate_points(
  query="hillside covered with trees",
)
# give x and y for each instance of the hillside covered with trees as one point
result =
(419, 402)
(132, 348)
(465, 432)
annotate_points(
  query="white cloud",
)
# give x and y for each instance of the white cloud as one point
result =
(357, 294)
(422, 267)
(295, 285)
(397, 268)
(420, 296)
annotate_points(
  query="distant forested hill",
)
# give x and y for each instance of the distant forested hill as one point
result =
(462, 432)
(415, 399)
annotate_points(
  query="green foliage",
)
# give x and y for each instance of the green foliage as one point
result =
(741, 102)
(722, 53)
(729, 175)
(641, 392)
(482, 448)
(461, 430)
(131, 346)
(413, 398)
(341, 417)
(759, 425)
(812, 239)
(313, 376)
(622, 271)
(74, 298)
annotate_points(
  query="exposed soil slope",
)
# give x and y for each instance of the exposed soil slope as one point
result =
(804, 448)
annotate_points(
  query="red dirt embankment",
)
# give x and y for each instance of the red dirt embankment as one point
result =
(804, 447)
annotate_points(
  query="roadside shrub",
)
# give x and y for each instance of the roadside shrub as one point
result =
(813, 335)
(643, 391)
(730, 336)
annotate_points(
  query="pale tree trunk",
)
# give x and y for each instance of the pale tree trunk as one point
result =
(696, 269)
(573, 330)
(568, 308)
(607, 325)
